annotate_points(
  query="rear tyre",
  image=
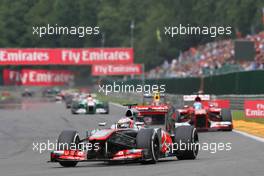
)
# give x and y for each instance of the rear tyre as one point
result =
(66, 140)
(148, 139)
(186, 138)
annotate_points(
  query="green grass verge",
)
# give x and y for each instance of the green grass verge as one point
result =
(114, 99)
(240, 115)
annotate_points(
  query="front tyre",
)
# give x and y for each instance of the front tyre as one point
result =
(68, 163)
(186, 138)
(66, 140)
(148, 139)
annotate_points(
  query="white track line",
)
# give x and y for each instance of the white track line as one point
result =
(250, 136)
(118, 105)
(239, 132)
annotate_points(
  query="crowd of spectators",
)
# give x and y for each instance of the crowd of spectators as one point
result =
(211, 58)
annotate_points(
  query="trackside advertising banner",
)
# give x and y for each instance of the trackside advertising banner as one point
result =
(61, 56)
(254, 108)
(29, 77)
(11, 77)
(131, 69)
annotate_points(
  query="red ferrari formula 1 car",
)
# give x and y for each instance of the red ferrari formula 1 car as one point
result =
(141, 137)
(204, 114)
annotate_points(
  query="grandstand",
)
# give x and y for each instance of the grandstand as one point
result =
(213, 58)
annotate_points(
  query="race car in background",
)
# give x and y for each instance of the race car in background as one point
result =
(87, 104)
(27, 93)
(69, 96)
(204, 114)
(80, 106)
(146, 144)
(154, 110)
(51, 92)
(155, 98)
(5, 95)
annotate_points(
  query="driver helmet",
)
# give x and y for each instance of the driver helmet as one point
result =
(197, 99)
(125, 123)
(89, 97)
(197, 104)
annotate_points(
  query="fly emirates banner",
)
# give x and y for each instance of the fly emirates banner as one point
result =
(37, 77)
(65, 56)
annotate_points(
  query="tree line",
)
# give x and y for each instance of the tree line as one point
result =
(124, 23)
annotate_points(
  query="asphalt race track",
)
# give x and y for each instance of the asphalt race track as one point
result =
(19, 128)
